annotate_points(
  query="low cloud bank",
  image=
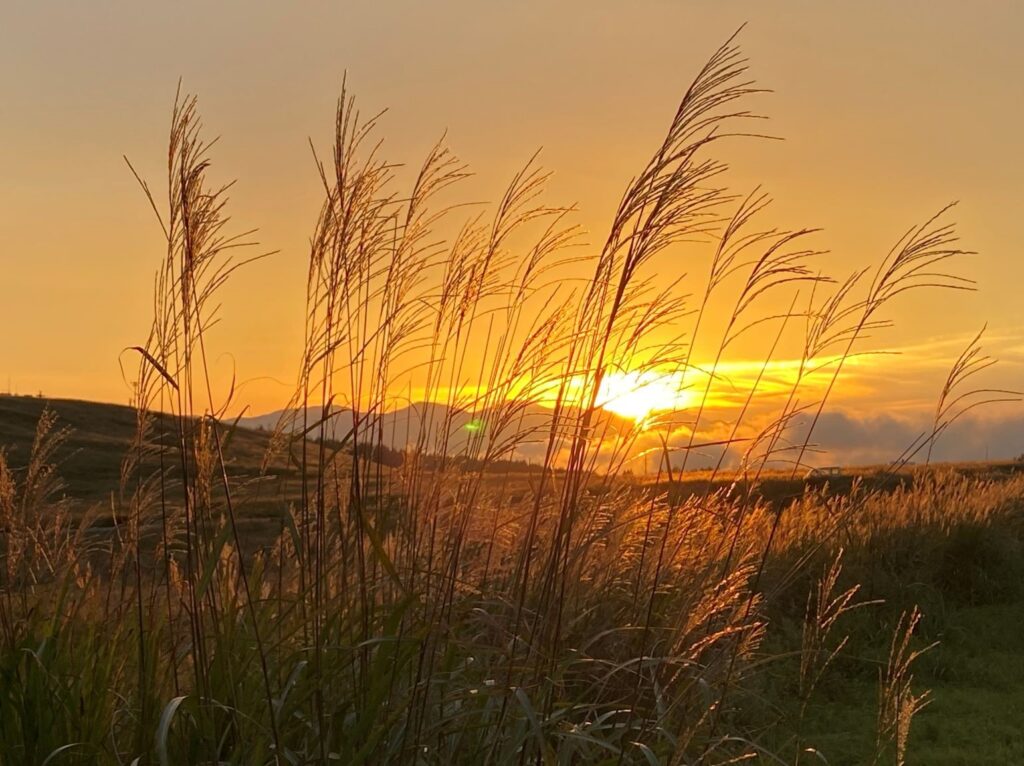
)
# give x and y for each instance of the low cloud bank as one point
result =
(853, 439)
(849, 438)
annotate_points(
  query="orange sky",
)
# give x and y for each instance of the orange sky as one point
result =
(889, 110)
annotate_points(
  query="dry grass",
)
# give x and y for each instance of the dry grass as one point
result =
(427, 613)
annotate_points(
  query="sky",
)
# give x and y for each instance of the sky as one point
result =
(889, 111)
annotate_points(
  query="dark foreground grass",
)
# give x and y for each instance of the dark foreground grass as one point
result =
(970, 582)
(976, 717)
(966, 570)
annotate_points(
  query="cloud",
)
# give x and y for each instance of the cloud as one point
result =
(848, 437)
(843, 437)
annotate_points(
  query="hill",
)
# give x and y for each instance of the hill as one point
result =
(99, 436)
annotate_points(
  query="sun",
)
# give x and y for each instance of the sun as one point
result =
(632, 394)
(637, 395)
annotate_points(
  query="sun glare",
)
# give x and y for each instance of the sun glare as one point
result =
(637, 395)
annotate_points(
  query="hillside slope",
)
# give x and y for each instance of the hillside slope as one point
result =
(99, 435)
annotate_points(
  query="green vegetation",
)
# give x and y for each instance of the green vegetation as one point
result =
(976, 675)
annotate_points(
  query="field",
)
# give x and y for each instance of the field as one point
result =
(494, 583)
(965, 569)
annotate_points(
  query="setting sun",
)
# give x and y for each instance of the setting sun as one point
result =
(636, 395)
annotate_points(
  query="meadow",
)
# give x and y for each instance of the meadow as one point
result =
(322, 594)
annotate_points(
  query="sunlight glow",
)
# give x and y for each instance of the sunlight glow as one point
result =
(637, 395)
(642, 394)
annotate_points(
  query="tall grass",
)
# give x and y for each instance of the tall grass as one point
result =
(433, 610)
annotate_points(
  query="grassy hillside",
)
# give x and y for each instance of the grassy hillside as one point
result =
(99, 435)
